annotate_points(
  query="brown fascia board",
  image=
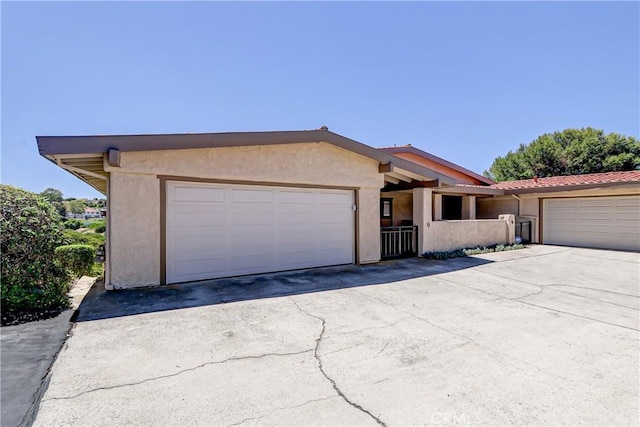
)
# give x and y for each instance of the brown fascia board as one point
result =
(562, 188)
(470, 190)
(58, 145)
(429, 156)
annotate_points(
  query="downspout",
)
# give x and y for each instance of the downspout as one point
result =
(515, 196)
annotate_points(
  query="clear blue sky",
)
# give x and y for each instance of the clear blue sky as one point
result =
(464, 81)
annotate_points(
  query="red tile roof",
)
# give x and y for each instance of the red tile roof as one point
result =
(561, 181)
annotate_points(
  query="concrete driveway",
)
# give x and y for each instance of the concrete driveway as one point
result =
(545, 336)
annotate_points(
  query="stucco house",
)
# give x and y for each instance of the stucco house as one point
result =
(228, 204)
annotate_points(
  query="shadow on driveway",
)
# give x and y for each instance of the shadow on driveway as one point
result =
(101, 304)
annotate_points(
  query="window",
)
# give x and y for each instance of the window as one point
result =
(386, 208)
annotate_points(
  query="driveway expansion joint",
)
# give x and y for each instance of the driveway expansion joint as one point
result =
(175, 374)
(324, 373)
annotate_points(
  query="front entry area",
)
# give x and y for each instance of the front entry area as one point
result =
(222, 230)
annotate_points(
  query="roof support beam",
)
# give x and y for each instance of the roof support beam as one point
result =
(412, 175)
(391, 179)
(410, 185)
(385, 167)
(400, 176)
(78, 170)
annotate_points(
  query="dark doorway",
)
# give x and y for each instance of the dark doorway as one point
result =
(451, 207)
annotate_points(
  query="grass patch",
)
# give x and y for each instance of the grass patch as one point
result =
(72, 237)
(95, 223)
(442, 255)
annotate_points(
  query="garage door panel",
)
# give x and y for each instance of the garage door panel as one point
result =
(197, 194)
(296, 218)
(197, 219)
(599, 222)
(247, 264)
(251, 196)
(334, 198)
(631, 204)
(253, 218)
(192, 269)
(596, 216)
(597, 229)
(255, 230)
(332, 256)
(207, 244)
(298, 259)
(595, 202)
(295, 239)
(297, 197)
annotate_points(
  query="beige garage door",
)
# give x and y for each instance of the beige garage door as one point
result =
(216, 230)
(595, 222)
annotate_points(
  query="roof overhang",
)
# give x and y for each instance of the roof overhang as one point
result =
(635, 185)
(470, 190)
(61, 149)
(88, 167)
(436, 159)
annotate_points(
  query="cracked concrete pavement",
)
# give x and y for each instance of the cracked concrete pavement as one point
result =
(545, 336)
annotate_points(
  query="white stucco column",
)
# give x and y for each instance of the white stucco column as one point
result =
(422, 206)
(437, 207)
(469, 207)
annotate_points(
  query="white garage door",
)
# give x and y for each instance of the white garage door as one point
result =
(595, 222)
(217, 230)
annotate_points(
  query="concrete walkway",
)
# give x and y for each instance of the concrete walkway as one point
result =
(541, 336)
(27, 352)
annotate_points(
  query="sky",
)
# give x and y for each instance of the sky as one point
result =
(465, 81)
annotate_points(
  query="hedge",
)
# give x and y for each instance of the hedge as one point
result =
(32, 283)
(77, 258)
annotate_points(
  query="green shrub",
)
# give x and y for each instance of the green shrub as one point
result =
(442, 255)
(97, 223)
(73, 224)
(77, 258)
(71, 237)
(101, 228)
(32, 283)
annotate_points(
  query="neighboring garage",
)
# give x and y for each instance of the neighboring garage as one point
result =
(595, 222)
(218, 230)
(592, 210)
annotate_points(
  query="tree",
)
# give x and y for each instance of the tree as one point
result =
(76, 207)
(570, 152)
(54, 196)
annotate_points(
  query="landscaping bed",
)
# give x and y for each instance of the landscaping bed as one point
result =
(442, 255)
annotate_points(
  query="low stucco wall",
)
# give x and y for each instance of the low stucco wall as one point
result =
(134, 197)
(452, 235)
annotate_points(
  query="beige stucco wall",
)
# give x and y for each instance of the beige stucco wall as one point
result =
(135, 194)
(402, 206)
(451, 235)
(492, 207)
(134, 247)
